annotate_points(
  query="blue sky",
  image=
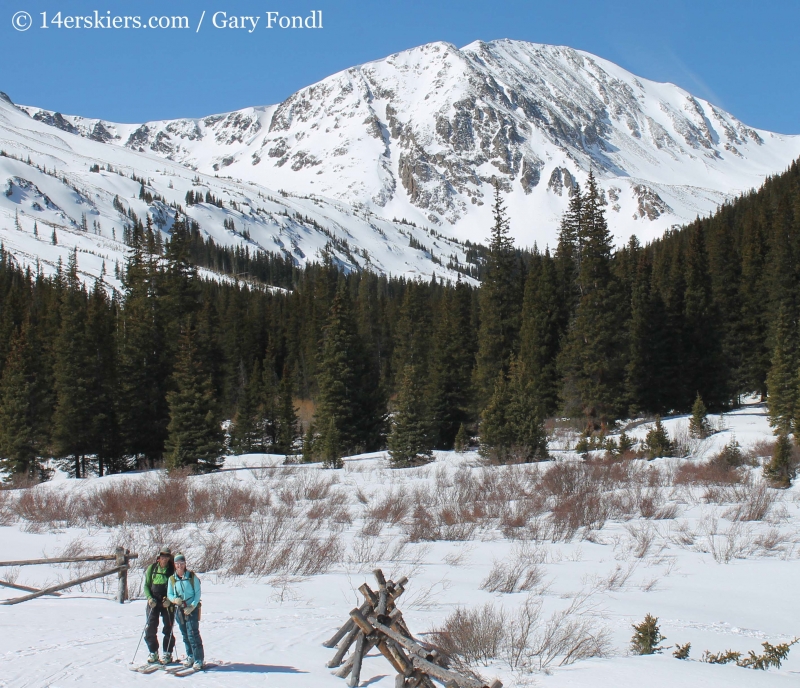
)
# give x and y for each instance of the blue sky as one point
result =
(740, 54)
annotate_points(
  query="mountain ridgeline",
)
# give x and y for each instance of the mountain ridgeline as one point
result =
(106, 381)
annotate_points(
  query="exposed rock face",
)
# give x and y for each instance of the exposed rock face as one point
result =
(425, 133)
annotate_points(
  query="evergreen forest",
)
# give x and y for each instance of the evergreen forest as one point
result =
(316, 363)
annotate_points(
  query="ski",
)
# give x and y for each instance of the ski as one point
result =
(188, 671)
(146, 668)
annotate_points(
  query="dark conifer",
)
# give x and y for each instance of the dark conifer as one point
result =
(194, 436)
(410, 439)
(500, 303)
(781, 379)
(18, 447)
(71, 431)
(592, 360)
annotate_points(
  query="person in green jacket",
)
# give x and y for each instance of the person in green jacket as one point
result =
(156, 579)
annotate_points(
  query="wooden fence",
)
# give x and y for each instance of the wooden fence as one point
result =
(379, 623)
(121, 559)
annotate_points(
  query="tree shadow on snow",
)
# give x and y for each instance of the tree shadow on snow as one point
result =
(258, 669)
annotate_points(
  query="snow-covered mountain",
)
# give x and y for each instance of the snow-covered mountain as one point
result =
(420, 136)
(52, 203)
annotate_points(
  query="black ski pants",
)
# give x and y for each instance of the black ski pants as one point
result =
(151, 632)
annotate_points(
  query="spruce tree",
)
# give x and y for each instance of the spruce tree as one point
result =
(657, 441)
(540, 334)
(698, 423)
(461, 443)
(143, 368)
(647, 636)
(511, 424)
(194, 436)
(410, 438)
(288, 425)
(781, 469)
(101, 350)
(72, 418)
(349, 395)
(500, 303)
(592, 361)
(781, 380)
(247, 430)
(449, 386)
(330, 446)
(18, 450)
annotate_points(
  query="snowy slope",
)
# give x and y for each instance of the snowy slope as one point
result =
(45, 180)
(421, 134)
(270, 629)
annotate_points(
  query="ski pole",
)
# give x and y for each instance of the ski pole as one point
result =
(149, 611)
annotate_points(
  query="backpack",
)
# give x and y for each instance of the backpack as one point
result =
(191, 578)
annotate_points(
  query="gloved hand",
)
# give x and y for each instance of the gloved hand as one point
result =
(188, 609)
(151, 602)
(178, 601)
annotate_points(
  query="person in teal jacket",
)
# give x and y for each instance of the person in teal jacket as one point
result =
(183, 590)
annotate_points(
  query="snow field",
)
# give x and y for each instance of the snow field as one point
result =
(284, 549)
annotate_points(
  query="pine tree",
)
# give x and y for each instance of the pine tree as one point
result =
(540, 334)
(194, 433)
(511, 424)
(288, 425)
(500, 302)
(18, 450)
(349, 396)
(647, 636)
(461, 443)
(101, 352)
(781, 380)
(410, 439)
(781, 469)
(449, 387)
(247, 430)
(71, 431)
(330, 446)
(698, 423)
(143, 368)
(592, 360)
(657, 441)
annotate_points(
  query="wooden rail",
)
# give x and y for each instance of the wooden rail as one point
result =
(121, 558)
(378, 623)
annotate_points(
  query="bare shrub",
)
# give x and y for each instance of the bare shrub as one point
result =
(46, 508)
(210, 551)
(707, 473)
(472, 636)
(281, 543)
(569, 635)
(642, 537)
(521, 573)
(761, 449)
(588, 509)
(7, 508)
(526, 640)
(735, 543)
(756, 505)
(391, 508)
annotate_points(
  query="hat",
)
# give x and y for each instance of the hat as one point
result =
(165, 551)
(180, 557)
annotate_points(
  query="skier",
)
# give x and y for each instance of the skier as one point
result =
(156, 578)
(184, 592)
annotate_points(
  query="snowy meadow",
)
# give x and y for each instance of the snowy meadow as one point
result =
(532, 573)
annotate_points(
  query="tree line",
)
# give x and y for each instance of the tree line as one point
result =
(176, 369)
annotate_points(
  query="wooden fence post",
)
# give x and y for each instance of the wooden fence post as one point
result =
(122, 576)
